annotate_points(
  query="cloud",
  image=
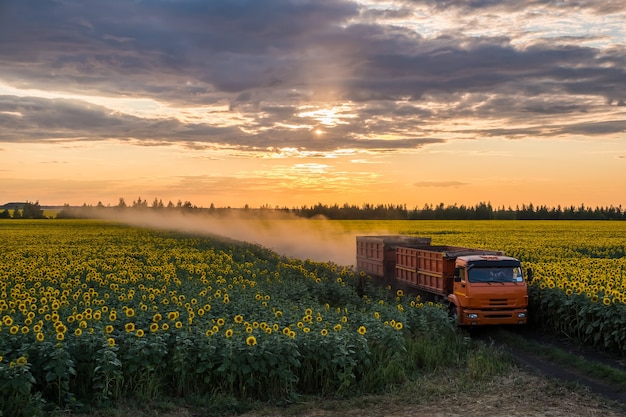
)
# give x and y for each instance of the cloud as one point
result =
(469, 6)
(399, 83)
(596, 128)
(61, 120)
(43, 119)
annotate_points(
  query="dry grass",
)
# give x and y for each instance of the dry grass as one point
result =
(517, 394)
(520, 394)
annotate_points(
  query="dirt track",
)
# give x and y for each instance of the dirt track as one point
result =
(541, 366)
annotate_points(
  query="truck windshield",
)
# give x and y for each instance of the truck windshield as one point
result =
(496, 274)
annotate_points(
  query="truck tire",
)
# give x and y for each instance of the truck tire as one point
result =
(453, 313)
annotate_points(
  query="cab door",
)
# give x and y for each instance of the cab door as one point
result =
(460, 284)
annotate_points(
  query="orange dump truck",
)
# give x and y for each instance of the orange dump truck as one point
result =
(481, 287)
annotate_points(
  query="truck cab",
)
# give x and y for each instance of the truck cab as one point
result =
(488, 289)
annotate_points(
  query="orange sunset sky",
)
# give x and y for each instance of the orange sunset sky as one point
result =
(295, 102)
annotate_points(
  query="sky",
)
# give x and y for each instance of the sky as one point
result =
(297, 102)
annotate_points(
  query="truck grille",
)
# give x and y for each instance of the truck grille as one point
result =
(498, 302)
(499, 316)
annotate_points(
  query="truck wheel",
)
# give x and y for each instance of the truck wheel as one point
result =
(454, 315)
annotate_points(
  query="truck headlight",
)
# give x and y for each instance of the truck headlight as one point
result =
(521, 315)
(472, 316)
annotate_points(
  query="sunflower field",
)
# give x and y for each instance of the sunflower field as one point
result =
(91, 312)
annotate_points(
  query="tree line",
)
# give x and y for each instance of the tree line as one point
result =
(480, 211)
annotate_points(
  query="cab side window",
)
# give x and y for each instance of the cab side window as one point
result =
(462, 274)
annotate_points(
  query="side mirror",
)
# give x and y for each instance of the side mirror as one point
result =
(529, 275)
(457, 274)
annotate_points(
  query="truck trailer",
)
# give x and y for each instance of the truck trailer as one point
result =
(480, 287)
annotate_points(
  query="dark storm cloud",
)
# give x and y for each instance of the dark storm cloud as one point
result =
(267, 58)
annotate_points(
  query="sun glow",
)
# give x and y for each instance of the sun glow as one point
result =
(328, 117)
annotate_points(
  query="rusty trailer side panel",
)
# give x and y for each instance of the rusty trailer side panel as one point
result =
(376, 255)
(428, 269)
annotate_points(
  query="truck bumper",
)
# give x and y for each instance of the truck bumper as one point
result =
(473, 317)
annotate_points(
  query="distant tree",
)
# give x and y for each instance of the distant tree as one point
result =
(484, 211)
(32, 211)
(122, 203)
(140, 203)
(17, 214)
(6, 214)
(157, 203)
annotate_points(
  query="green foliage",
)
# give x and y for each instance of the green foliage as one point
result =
(579, 317)
(483, 363)
(107, 375)
(58, 368)
(17, 395)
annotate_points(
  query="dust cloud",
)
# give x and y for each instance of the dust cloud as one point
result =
(288, 235)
